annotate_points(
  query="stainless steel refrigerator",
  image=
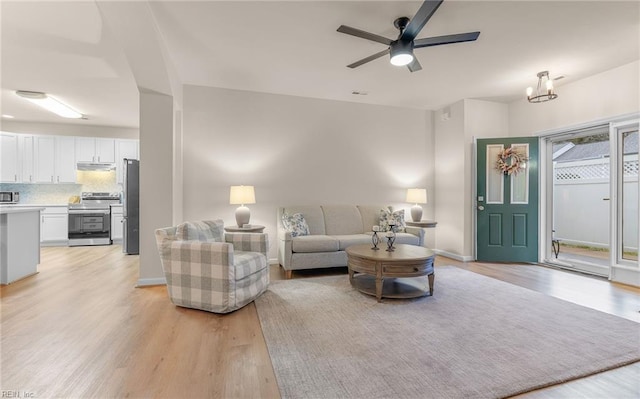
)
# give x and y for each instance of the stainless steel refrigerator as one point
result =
(131, 207)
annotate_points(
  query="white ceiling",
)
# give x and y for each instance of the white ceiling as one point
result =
(292, 47)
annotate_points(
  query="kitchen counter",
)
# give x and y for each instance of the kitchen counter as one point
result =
(6, 206)
(6, 209)
(20, 242)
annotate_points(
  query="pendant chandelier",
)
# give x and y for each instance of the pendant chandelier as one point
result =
(541, 95)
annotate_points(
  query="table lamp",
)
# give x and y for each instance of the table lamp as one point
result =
(241, 195)
(416, 196)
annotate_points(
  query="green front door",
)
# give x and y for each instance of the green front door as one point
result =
(507, 203)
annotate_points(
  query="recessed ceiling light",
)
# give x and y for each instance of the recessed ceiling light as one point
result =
(49, 103)
(8, 116)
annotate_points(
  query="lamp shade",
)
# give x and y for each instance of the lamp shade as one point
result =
(417, 195)
(240, 195)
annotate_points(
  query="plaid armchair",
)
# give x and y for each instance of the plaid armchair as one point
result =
(210, 270)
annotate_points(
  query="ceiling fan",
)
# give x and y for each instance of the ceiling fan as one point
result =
(401, 49)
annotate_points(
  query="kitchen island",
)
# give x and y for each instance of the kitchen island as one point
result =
(19, 242)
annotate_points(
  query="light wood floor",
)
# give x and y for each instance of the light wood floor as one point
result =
(80, 329)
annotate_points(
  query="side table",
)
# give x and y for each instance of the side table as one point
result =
(254, 228)
(425, 224)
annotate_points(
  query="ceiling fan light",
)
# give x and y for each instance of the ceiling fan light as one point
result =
(401, 53)
(402, 59)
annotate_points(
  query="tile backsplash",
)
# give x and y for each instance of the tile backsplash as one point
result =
(51, 194)
(98, 181)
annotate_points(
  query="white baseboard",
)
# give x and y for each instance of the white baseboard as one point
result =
(147, 282)
(273, 261)
(461, 258)
(626, 275)
(58, 243)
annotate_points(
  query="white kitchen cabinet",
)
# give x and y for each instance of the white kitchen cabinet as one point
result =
(9, 163)
(54, 228)
(20, 242)
(125, 149)
(27, 161)
(65, 166)
(90, 149)
(116, 223)
(44, 152)
(54, 159)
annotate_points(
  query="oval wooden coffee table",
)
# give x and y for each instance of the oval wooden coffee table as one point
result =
(397, 274)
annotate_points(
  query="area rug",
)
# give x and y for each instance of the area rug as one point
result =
(477, 337)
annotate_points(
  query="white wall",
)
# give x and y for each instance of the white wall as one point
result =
(451, 166)
(156, 179)
(64, 129)
(299, 151)
(605, 95)
(454, 138)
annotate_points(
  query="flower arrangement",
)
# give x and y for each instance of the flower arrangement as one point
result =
(510, 161)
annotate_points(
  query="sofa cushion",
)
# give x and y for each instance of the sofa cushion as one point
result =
(370, 216)
(314, 243)
(206, 230)
(312, 215)
(397, 216)
(247, 263)
(295, 224)
(347, 240)
(342, 219)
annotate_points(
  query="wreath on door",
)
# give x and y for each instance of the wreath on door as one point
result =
(510, 161)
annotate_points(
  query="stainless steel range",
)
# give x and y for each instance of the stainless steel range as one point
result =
(90, 220)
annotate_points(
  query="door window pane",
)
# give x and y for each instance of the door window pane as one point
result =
(520, 180)
(495, 179)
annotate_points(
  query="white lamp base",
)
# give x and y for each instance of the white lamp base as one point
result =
(242, 215)
(416, 213)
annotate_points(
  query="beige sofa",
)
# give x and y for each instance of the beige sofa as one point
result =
(332, 229)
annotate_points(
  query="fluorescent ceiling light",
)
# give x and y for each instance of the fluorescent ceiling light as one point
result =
(8, 116)
(50, 104)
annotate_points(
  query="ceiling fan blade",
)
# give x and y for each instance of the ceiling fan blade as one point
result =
(426, 11)
(364, 35)
(446, 39)
(369, 58)
(414, 66)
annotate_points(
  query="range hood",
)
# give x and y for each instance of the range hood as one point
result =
(96, 166)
